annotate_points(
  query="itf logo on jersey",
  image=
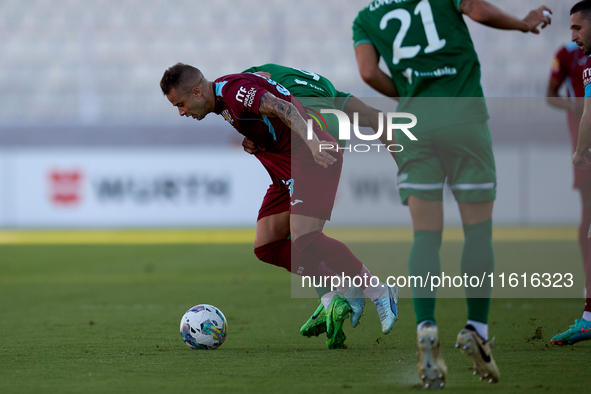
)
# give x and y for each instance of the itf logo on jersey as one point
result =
(345, 130)
(246, 97)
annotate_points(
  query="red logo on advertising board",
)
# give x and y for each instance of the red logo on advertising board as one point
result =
(65, 187)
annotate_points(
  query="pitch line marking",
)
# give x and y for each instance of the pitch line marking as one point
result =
(246, 236)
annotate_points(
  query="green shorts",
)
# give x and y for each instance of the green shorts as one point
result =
(461, 154)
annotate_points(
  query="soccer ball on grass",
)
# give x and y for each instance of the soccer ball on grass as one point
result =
(204, 327)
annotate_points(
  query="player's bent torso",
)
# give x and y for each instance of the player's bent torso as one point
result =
(238, 99)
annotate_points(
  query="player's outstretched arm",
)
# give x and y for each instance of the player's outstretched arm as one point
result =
(368, 63)
(582, 156)
(483, 12)
(368, 117)
(272, 106)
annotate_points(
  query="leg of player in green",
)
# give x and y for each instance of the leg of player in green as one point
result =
(424, 260)
(478, 259)
(427, 218)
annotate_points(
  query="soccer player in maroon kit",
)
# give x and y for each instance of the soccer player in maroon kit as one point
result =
(580, 24)
(305, 179)
(567, 69)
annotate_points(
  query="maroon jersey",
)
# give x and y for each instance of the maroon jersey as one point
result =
(568, 66)
(238, 98)
(303, 188)
(578, 80)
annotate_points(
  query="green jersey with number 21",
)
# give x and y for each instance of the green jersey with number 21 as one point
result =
(426, 45)
(429, 52)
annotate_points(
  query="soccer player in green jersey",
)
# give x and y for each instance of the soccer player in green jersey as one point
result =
(429, 53)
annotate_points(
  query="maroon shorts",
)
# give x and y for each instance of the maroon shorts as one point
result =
(582, 178)
(275, 201)
(299, 184)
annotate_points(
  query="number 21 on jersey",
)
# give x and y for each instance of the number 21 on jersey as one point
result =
(434, 43)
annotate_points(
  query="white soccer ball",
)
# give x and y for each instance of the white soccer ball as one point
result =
(204, 327)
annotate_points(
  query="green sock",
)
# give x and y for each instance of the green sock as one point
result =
(423, 260)
(478, 259)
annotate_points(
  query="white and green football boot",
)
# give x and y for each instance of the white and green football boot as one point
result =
(387, 307)
(356, 299)
(581, 331)
(338, 311)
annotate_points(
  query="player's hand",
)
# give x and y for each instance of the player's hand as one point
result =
(249, 146)
(320, 151)
(582, 161)
(537, 17)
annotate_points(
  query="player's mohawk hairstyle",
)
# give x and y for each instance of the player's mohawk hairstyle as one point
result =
(584, 7)
(180, 75)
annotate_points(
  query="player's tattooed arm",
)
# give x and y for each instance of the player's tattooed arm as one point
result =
(272, 106)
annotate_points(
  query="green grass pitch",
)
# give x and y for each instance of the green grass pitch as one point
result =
(105, 318)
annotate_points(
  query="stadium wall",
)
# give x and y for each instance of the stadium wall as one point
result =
(83, 187)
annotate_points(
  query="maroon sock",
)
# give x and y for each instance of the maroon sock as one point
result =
(335, 254)
(324, 271)
(284, 254)
(584, 233)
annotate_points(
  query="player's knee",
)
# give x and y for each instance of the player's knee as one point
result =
(272, 251)
(275, 253)
(305, 240)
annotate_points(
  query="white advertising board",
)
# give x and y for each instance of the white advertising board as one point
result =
(4, 192)
(130, 188)
(223, 187)
(534, 188)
